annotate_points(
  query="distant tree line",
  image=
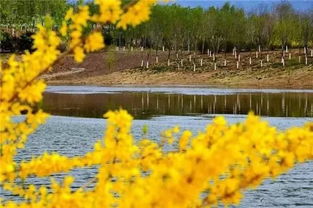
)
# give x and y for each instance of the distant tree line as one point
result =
(220, 29)
(177, 28)
(19, 18)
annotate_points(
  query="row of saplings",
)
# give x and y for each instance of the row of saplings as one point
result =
(236, 60)
(186, 59)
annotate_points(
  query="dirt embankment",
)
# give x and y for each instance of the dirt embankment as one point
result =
(270, 78)
(124, 68)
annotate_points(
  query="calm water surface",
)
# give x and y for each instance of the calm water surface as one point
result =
(68, 133)
(145, 103)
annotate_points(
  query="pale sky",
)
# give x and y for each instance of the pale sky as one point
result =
(246, 4)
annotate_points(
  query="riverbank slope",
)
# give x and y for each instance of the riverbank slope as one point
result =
(124, 68)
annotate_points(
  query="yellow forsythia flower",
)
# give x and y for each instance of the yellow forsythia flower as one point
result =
(94, 42)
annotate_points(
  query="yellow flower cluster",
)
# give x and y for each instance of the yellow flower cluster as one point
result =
(222, 161)
(110, 11)
(214, 166)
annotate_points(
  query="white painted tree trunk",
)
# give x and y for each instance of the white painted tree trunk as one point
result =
(190, 58)
(267, 58)
(141, 48)
(168, 62)
(147, 65)
(283, 61)
(213, 56)
(215, 66)
(194, 67)
(239, 58)
(163, 48)
(235, 54)
(304, 50)
(287, 50)
(157, 59)
(306, 60)
(208, 52)
(256, 54)
(237, 64)
(261, 63)
(259, 48)
(311, 53)
(176, 55)
(250, 60)
(289, 56)
(141, 63)
(201, 62)
(182, 62)
(225, 62)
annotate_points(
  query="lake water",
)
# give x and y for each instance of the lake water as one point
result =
(77, 123)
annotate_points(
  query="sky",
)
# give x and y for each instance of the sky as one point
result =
(248, 5)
